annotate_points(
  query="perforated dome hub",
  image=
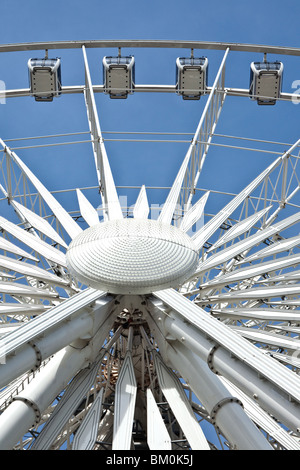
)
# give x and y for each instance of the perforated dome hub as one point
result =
(132, 256)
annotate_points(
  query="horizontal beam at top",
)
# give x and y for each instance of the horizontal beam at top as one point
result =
(137, 88)
(129, 43)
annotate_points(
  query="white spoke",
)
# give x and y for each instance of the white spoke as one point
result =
(141, 208)
(87, 211)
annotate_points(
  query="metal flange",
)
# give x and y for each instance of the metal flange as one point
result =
(221, 403)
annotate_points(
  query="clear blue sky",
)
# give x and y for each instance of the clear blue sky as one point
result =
(268, 22)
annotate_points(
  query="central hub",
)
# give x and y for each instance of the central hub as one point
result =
(132, 256)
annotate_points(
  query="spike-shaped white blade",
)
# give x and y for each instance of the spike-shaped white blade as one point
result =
(141, 208)
(244, 245)
(264, 314)
(6, 245)
(31, 271)
(205, 233)
(74, 393)
(267, 337)
(86, 435)
(11, 309)
(239, 228)
(253, 271)
(17, 289)
(112, 207)
(194, 213)
(289, 276)
(35, 243)
(175, 395)
(87, 211)
(158, 437)
(40, 224)
(257, 293)
(125, 396)
(69, 224)
(275, 248)
(169, 206)
(4, 275)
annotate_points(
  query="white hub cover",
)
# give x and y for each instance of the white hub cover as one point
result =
(132, 256)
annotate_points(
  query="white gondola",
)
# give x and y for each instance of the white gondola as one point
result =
(265, 82)
(45, 78)
(118, 76)
(191, 77)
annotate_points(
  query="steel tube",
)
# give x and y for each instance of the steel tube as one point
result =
(265, 393)
(20, 415)
(229, 416)
(25, 359)
(150, 43)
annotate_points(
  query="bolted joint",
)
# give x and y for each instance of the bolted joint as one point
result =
(210, 358)
(221, 403)
(38, 356)
(32, 405)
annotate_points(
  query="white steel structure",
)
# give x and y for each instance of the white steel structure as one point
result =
(124, 332)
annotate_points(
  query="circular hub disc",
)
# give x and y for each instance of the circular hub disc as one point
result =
(132, 256)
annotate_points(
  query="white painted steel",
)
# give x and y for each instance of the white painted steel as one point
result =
(158, 437)
(31, 270)
(222, 362)
(257, 293)
(169, 206)
(22, 290)
(125, 396)
(245, 244)
(194, 213)
(239, 228)
(270, 314)
(286, 277)
(19, 416)
(203, 235)
(66, 407)
(242, 349)
(224, 410)
(69, 224)
(175, 395)
(138, 88)
(87, 211)
(263, 419)
(86, 435)
(277, 247)
(204, 132)
(6, 245)
(40, 224)
(29, 331)
(141, 208)
(12, 309)
(75, 392)
(112, 208)
(254, 270)
(150, 43)
(267, 337)
(30, 356)
(35, 243)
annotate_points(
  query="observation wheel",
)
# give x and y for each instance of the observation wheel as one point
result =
(168, 324)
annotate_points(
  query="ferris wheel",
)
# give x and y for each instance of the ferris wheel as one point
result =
(122, 331)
